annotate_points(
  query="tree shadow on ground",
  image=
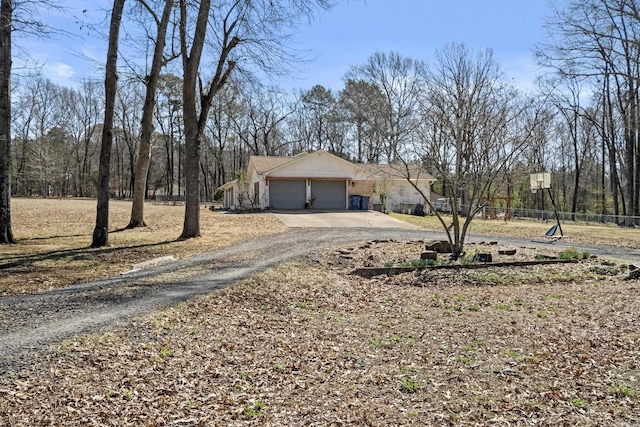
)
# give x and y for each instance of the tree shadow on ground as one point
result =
(25, 260)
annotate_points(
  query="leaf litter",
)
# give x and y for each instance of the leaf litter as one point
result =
(308, 344)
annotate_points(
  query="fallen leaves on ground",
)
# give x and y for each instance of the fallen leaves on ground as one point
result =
(308, 344)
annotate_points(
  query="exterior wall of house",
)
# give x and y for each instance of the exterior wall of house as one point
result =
(261, 197)
(254, 192)
(229, 197)
(403, 197)
(316, 165)
(362, 187)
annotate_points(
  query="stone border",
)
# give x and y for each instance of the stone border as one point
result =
(368, 272)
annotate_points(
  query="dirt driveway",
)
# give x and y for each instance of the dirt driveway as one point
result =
(29, 323)
(341, 219)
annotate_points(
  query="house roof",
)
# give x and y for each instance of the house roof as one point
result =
(264, 164)
(229, 184)
(396, 171)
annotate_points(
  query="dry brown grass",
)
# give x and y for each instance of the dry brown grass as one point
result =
(592, 233)
(54, 237)
(303, 345)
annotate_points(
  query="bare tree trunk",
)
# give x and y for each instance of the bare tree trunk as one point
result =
(194, 120)
(146, 134)
(6, 11)
(191, 64)
(101, 231)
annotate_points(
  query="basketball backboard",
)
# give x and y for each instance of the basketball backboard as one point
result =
(540, 180)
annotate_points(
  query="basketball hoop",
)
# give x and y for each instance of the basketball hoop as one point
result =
(539, 181)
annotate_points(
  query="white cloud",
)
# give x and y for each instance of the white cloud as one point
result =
(58, 70)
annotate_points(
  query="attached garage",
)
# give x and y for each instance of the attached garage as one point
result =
(329, 194)
(287, 194)
(331, 182)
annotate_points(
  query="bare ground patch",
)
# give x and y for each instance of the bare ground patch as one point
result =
(308, 344)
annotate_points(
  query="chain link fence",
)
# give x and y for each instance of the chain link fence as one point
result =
(548, 215)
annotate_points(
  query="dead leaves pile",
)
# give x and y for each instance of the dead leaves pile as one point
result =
(307, 345)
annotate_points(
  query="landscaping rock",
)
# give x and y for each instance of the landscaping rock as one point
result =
(633, 275)
(484, 257)
(439, 246)
(429, 255)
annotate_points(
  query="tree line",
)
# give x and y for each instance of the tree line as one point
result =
(182, 130)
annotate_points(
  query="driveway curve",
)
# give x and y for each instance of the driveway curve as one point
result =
(29, 323)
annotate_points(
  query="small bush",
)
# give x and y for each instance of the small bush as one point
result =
(253, 410)
(419, 263)
(218, 195)
(573, 253)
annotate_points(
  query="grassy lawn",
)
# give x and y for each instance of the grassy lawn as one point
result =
(592, 233)
(54, 237)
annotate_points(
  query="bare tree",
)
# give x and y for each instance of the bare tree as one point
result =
(146, 134)
(101, 230)
(318, 103)
(364, 108)
(259, 125)
(226, 109)
(169, 121)
(400, 79)
(128, 113)
(473, 126)
(6, 14)
(85, 111)
(251, 32)
(383, 188)
(597, 40)
(20, 15)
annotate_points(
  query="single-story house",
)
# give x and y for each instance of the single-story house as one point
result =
(324, 181)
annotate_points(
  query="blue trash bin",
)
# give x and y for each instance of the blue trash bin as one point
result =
(354, 202)
(364, 203)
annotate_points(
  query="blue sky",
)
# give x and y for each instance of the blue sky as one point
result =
(352, 31)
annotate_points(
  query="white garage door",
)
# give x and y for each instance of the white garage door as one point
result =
(329, 194)
(289, 194)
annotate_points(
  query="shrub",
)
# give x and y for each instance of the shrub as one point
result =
(573, 253)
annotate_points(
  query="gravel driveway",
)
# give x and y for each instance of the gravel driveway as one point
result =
(28, 323)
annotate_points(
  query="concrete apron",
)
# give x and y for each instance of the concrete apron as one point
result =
(341, 219)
